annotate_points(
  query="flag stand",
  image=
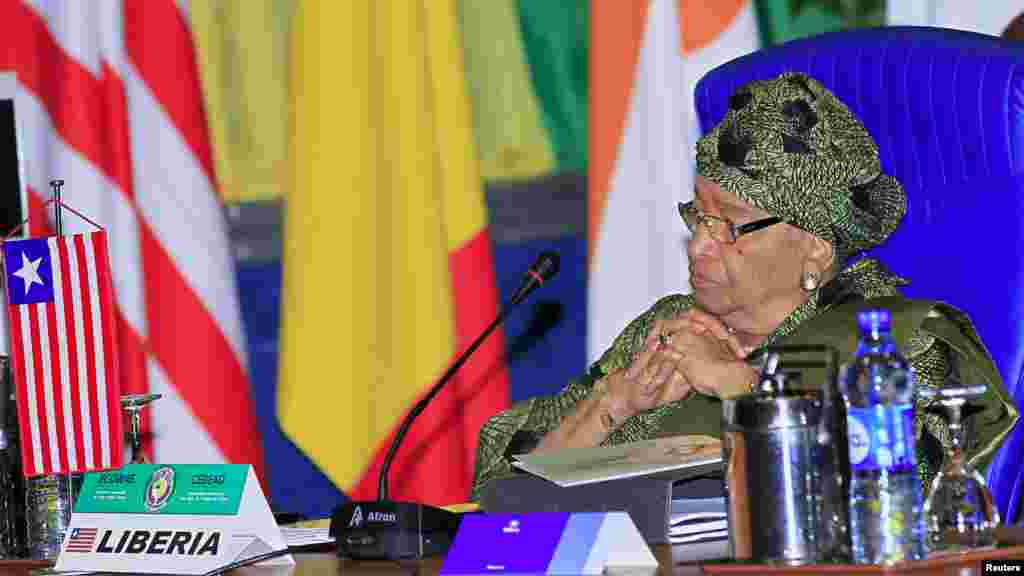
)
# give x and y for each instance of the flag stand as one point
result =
(58, 223)
(60, 205)
(47, 520)
(83, 291)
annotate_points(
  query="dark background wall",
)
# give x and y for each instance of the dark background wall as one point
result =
(10, 186)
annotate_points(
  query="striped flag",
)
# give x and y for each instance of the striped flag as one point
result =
(113, 106)
(82, 540)
(61, 313)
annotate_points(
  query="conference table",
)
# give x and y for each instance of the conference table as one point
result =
(968, 563)
(327, 564)
(323, 561)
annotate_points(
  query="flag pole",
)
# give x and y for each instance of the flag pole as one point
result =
(58, 222)
(56, 185)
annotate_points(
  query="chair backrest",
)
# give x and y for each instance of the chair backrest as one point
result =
(947, 110)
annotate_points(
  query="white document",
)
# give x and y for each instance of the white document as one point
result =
(714, 536)
(700, 550)
(689, 510)
(698, 519)
(577, 466)
(299, 537)
(699, 528)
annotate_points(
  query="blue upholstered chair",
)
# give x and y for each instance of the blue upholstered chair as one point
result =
(947, 110)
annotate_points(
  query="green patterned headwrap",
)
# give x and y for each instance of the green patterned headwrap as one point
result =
(789, 147)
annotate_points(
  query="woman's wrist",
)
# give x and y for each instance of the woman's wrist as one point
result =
(611, 408)
(599, 414)
(744, 383)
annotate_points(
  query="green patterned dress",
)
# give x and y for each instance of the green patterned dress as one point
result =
(938, 340)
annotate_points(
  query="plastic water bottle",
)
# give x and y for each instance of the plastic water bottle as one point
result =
(886, 519)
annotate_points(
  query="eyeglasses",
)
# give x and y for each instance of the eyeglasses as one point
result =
(722, 230)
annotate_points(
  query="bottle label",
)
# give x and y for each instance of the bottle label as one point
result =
(881, 437)
(905, 457)
(859, 422)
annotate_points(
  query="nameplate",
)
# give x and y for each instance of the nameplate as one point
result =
(164, 519)
(549, 543)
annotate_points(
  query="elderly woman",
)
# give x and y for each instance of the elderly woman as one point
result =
(789, 190)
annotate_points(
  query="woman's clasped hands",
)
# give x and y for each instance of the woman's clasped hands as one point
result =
(691, 352)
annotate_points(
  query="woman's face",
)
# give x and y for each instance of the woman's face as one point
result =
(761, 269)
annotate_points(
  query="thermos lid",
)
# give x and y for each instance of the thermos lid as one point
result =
(769, 411)
(779, 400)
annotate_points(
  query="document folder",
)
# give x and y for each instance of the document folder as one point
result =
(647, 499)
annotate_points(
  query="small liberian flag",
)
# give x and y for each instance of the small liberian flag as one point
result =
(63, 347)
(82, 540)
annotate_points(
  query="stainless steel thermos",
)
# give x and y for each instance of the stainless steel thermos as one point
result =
(784, 447)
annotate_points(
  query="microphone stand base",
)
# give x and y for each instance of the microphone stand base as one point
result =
(392, 530)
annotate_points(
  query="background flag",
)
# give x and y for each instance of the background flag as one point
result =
(510, 136)
(646, 58)
(984, 17)
(61, 314)
(388, 268)
(114, 107)
(242, 50)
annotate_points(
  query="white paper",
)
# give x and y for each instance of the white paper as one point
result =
(700, 528)
(698, 519)
(577, 466)
(298, 537)
(700, 550)
(703, 536)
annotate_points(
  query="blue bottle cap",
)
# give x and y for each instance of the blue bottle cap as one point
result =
(873, 320)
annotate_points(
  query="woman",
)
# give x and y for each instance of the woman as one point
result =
(789, 190)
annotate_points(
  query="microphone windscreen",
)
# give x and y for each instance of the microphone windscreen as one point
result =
(546, 265)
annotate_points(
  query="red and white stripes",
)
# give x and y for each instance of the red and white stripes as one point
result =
(114, 107)
(64, 365)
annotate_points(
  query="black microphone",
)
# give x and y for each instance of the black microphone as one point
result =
(386, 529)
(542, 270)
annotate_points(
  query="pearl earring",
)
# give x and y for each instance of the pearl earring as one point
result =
(809, 281)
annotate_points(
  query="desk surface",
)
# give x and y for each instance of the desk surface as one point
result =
(329, 564)
(970, 563)
(967, 563)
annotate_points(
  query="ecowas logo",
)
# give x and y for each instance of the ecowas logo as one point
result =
(159, 488)
(172, 542)
(380, 517)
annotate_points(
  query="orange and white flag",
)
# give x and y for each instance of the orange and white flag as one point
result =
(646, 58)
(982, 17)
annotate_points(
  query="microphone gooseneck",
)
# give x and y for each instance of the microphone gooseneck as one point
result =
(392, 530)
(543, 269)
